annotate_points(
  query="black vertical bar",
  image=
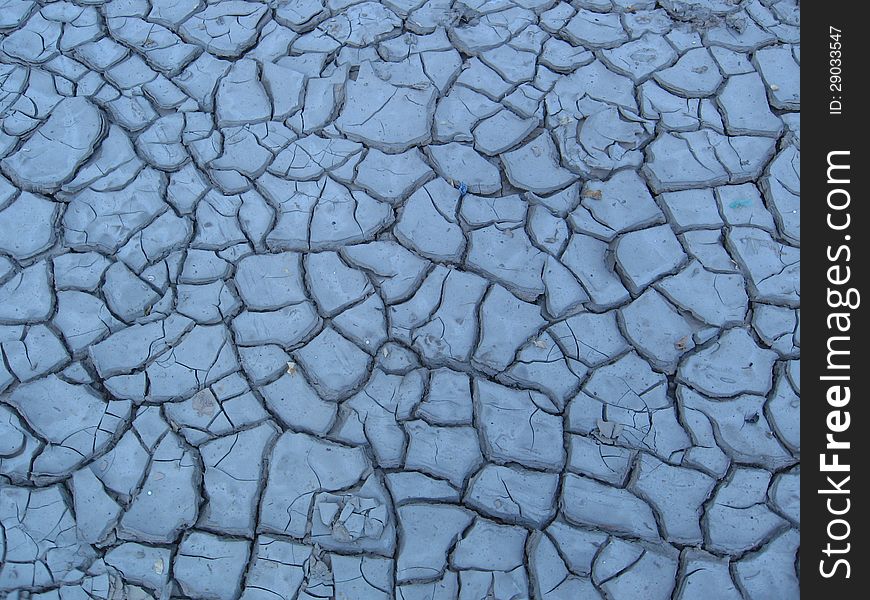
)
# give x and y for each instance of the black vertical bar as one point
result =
(834, 428)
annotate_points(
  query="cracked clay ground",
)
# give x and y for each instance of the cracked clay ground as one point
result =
(411, 299)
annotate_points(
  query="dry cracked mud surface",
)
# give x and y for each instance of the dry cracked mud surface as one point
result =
(412, 299)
